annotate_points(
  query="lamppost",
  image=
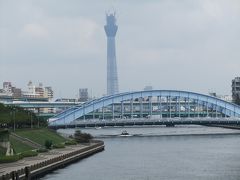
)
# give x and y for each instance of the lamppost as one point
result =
(31, 120)
(30, 114)
(38, 112)
(14, 119)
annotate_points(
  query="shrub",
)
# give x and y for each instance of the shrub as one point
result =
(71, 142)
(9, 159)
(16, 157)
(28, 154)
(71, 136)
(87, 136)
(82, 137)
(58, 146)
(48, 144)
(2, 151)
(42, 150)
(77, 133)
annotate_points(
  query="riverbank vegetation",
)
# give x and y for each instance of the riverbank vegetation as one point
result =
(20, 135)
(82, 137)
(18, 117)
(19, 143)
(16, 157)
(13, 149)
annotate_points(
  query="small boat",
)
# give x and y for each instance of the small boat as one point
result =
(125, 133)
(98, 127)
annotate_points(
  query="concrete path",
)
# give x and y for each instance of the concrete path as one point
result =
(9, 167)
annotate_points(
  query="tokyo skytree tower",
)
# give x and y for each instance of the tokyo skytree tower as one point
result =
(112, 76)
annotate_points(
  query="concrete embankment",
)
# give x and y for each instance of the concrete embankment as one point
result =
(226, 126)
(34, 167)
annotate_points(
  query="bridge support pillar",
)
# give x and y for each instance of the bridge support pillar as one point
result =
(93, 112)
(160, 106)
(198, 108)
(122, 109)
(141, 107)
(179, 107)
(216, 113)
(185, 107)
(103, 113)
(113, 115)
(170, 106)
(84, 112)
(207, 110)
(150, 105)
(189, 108)
(131, 108)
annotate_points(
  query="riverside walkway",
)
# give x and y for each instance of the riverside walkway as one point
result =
(44, 162)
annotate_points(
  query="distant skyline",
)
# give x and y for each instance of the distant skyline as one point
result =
(168, 44)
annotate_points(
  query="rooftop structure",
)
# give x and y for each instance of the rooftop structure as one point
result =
(148, 88)
(83, 94)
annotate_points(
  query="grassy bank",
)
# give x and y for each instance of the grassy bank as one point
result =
(18, 146)
(41, 135)
(38, 136)
(22, 147)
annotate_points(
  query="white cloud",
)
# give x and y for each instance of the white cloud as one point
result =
(196, 40)
(73, 35)
(35, 30)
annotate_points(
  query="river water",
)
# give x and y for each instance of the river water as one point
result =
(159, 153)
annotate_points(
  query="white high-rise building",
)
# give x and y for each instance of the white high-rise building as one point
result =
(236, 90)
(7, 88)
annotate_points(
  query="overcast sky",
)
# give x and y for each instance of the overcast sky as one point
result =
(168, 44)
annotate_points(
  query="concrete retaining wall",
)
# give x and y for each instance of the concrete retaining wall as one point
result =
(41, 169)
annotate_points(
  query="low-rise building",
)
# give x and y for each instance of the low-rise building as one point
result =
(33, 93)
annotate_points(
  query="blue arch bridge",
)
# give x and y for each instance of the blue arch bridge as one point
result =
(155, 107)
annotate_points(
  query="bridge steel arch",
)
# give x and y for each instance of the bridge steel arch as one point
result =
(68, 116)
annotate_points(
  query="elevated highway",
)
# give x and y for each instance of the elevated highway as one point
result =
(26, 104)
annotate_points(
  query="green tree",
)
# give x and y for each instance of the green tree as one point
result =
(21, 118)
(82, 137)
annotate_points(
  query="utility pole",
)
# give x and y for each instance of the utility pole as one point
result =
(38, 111)
(31, 121)
(14, 119)
(30, 113)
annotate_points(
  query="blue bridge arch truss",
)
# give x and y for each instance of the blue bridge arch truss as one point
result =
(154, 104)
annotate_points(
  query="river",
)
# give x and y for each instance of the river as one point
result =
(159, 153)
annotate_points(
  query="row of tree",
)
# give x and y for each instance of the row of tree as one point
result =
(14, 116)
